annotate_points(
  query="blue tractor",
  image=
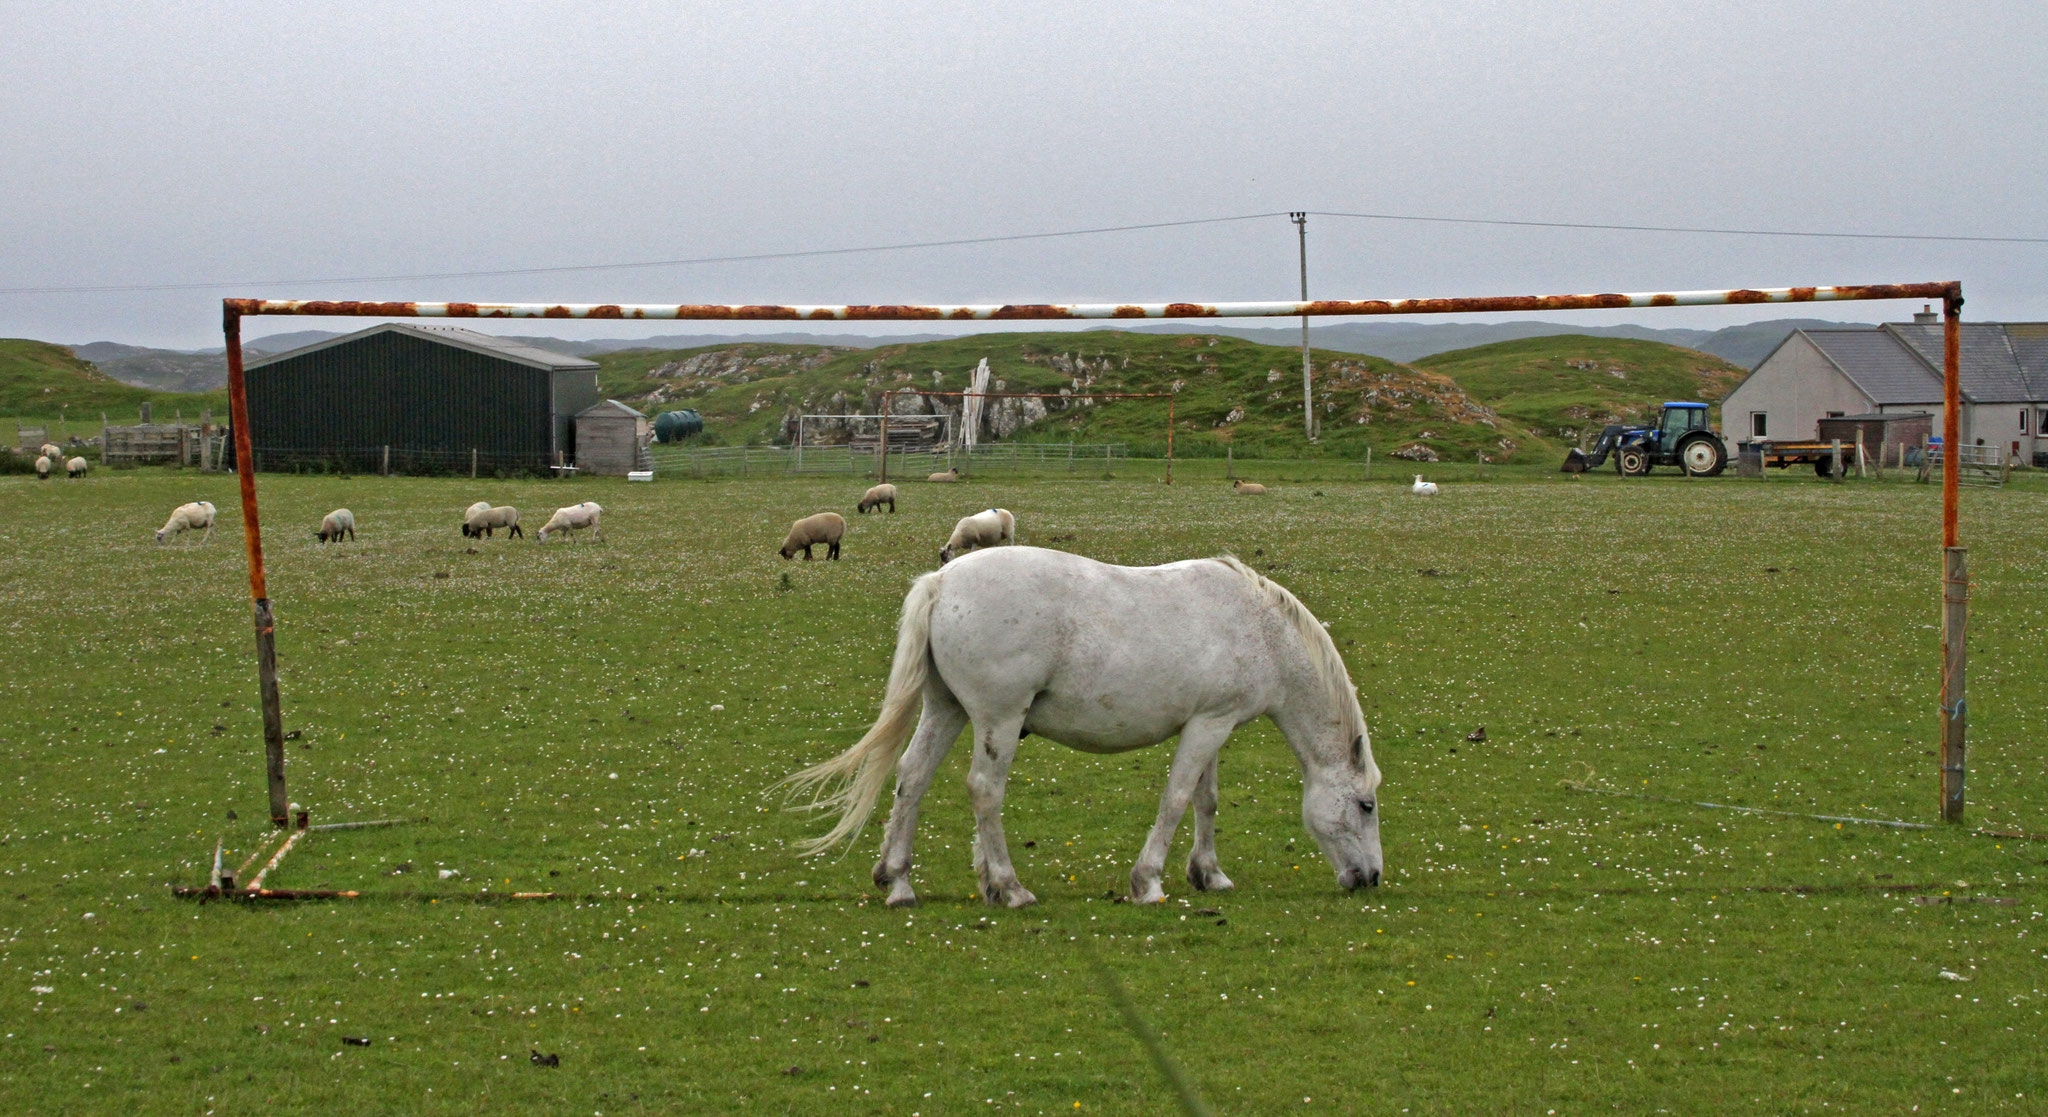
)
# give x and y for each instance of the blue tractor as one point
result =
(1682, 437)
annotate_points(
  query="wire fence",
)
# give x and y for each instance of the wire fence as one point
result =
(406, 460)
(1069, 458)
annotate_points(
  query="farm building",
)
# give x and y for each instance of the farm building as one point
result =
(612, 438)
(422, 398)
(1897, 368)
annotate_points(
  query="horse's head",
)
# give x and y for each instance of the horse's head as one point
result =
(1340, 807)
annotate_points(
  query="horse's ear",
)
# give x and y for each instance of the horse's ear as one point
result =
(1358, 752)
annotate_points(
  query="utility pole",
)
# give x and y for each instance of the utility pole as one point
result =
(1308, 402)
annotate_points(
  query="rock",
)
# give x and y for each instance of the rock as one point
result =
(1415, 452)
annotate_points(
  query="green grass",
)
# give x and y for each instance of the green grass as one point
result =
(39, 381)
(1560, 386)
(1229, 392)
(555, 712)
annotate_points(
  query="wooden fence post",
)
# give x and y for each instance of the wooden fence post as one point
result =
(1368, 463)
(1836, 460)
(1862, 463)
(472, 463)
(386, 468)
(1229, 462)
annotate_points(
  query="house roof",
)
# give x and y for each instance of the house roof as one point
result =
(609, 407)
(503, 348)
(1901, 363)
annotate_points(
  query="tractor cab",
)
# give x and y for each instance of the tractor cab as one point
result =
(1679, 420)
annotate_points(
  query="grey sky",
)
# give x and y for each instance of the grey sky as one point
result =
(201, 142)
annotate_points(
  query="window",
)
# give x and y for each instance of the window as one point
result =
(2041, 421)
(1759, 425)
(1834, 414)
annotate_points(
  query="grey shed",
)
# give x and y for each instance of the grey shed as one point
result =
(612, 438)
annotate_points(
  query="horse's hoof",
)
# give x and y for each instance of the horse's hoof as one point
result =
(1019, 897)
(1208, 880)
(901, 895)
(1151, 895)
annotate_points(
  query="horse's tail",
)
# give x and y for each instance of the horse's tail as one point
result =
(851, 782)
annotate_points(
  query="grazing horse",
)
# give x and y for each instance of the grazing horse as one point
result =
(1105, 659)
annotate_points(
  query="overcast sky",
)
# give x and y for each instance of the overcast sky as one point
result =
(278, 149)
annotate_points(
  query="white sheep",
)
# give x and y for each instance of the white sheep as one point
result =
(992, 528)
(572, 519)
(52, 451)
(334, 524)
(876, 497)
(471, 513)
(827, 528)
(75, 467)
(43, 468)
(952, 474)
(1423, 488)
(196, 516)
(1248, 488)
(484, 519)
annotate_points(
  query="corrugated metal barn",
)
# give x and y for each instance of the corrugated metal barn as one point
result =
(424, 399)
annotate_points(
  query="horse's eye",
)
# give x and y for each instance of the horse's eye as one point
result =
(1365, 806)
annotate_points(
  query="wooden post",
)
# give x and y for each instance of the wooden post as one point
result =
(1862, 463)
(472, 463)
(1955, 614)
(145, 411)
(882, 447)
(1368, 463)
(1229, 462)
(387, 460)
(1836, 459)
(1169, 436)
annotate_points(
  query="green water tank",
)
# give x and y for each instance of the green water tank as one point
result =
(674, 426)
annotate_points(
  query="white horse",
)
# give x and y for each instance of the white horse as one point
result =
(1105, 659)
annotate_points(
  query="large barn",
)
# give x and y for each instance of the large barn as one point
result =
(420, 398)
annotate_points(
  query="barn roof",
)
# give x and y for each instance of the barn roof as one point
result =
(1897, 363)
(503, 348)
(609, 407)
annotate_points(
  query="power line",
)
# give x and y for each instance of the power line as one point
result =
(963, 241)
(797, 255)
(1683, 229)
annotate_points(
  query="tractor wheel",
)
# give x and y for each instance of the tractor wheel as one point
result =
(1633, 462)
(1703, 457)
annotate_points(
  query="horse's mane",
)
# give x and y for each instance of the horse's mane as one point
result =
(1315, 640)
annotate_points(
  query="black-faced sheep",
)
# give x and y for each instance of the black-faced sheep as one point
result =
(43, 468)
(196, 516)
(52, 451)
(825, 527)
(572, 519)
(992, 528)
(484, 520)
(1248, 488)
(876, 497)
(952, 474)
(470, 513)
(335, 524)
(75, 467)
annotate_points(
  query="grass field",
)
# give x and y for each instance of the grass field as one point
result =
(603, 719)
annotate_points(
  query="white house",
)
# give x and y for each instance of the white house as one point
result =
(1897, 367)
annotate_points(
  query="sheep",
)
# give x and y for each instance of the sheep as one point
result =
(75, 467)
(825, 527)
(876, 497)
(952, 474)
(573, 519)
(1248, 488)
(333, 524)
(484, 519)
(43, 468)
(196, 516)
(1422, 488)
(992, 528)
(52, 451)
(471, 513)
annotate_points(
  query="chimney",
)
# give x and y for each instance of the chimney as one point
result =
(1926, 316)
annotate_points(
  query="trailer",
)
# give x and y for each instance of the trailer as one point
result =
(1764, 454)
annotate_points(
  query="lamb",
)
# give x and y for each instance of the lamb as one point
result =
(825, 527)
(1248, 488)
(876, 497)
(1423, 488)
(196, 516)
(573, 519)
(75, 467)
(471, 513)
(483, 520)
(952, 474)
(992, 528)
(43, 468)
(333, 524)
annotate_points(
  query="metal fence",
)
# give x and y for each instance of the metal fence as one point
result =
(394, 460)
(1073, 458)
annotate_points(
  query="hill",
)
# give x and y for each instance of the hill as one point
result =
(1230, 391)
(1561, 386)
(39, 380)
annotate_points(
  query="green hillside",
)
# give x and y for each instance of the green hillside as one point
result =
(39, 380)
(1229, 391)
(1560, 386)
